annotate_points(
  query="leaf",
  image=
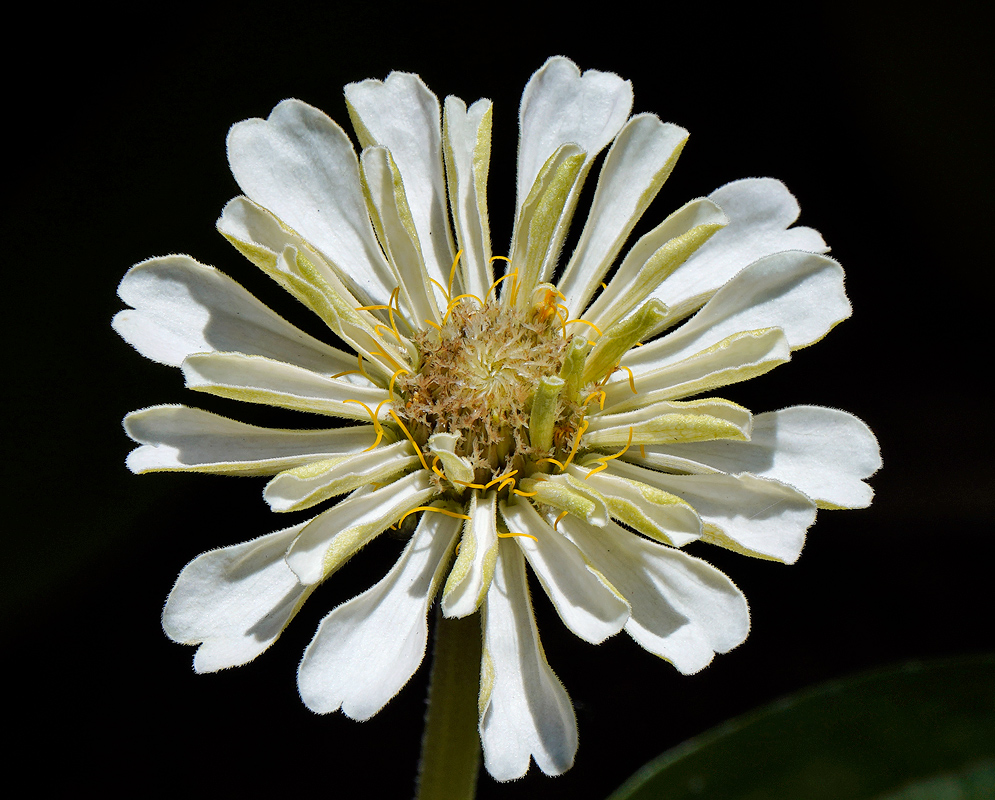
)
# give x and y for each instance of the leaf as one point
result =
(914, 732)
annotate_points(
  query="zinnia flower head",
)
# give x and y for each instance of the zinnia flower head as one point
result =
(528, 409)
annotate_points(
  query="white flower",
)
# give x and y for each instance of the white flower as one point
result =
(515, 420)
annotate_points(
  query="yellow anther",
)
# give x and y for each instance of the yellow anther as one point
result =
(347, 372)
(394, 300)
(557, 520)
(510, 534)
(601, 465)
(390, 386)
(520, 493)
(494, 285)
(468, 485)
(584, 426)
(500, 479)
(603, 461)
(434, 325)
(600, 393)
(499, 258)
(505, 482)
(551, 461)
(632, 382)
(421, 458)
(443, 288)
(585, 322)
(436, 469)
(455, 300)
(445, 511)
(376, 422)
(387, 328)
(452, 272)
(390, 358)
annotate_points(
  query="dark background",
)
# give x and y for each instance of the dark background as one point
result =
(876, 118)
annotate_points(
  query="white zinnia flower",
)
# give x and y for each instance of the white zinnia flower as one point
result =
(515, 420)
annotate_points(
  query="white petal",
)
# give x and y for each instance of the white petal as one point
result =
(235, 602)
(669, 421)
(471, 574)
(543, 220)
(639, 161)
(736, 358)
(467, 135)
(800, 293)
(644, 506)
(588, 605)
(756, 516)
(332, 538)
(258, 235)
(559, 105)
(822, 452)
(310, 484)
(402, 114)
(651, 259)
(301, 166)
(369, 647)
(254, 379)
(392, 218)
(683, 609)
(760, 212)
(183, 307)
(181, 438)
(525, 711)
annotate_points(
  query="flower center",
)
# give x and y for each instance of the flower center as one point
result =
(477, 378)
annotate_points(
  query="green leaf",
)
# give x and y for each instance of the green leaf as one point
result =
(908, 733)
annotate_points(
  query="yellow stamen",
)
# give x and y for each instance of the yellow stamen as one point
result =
(468, 485)
(421, 458)
(596, 393)
(605, 459)
(557, 520)
(494, 285)
(520, 493)
(632, 382)
(585, 322)
(445, 511)
(376, 422)
(509, 535)
(584, 426)
(452, 272)
(455, 300)
(437, 327)
(390, 358)
(394, 299)
(501, 478)
(387, 328)
(438, 471)
(551, 461)
(347, 372)
(441, 287)
(390, 386)
(505, 482)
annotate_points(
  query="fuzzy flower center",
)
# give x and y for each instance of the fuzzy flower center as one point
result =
(477, 379)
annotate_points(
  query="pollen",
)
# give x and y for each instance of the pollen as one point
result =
(476, 378)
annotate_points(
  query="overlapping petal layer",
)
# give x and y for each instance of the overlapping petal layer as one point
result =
(612, 456)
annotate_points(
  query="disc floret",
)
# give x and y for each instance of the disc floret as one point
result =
(477, 378)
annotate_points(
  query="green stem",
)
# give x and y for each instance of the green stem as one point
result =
(450, 754)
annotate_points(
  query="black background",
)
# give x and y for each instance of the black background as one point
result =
(876, 119)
